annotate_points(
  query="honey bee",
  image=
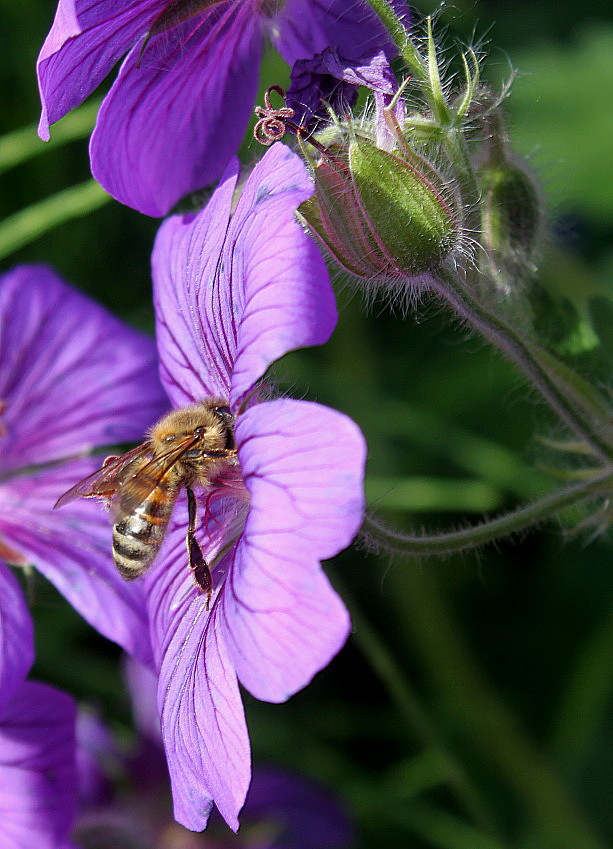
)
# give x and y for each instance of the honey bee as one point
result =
(185, 448)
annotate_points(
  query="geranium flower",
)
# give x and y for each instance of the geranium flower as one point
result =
(72, 378)
(37, 738)
(185, 91)
(232, 295)
(283, 810)
(329, 81)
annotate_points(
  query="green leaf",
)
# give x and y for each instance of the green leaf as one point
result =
(24, 144)
(30, 223)
(425, 493)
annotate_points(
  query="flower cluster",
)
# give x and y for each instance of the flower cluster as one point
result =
(227, 306)
(72, 378)
(236, 286)
(234, 495)
(179, 107)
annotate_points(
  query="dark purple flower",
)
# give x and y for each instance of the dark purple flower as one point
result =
(72, 378)
(300, 814)
(37, 738)
(329, 80)
(37, 768)
(184, 93)
(232, 295)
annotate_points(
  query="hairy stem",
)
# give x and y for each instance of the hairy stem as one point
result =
(578, 411)
(400, 37)
(380, 537)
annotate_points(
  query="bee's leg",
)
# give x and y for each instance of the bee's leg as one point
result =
(200, 569)
(222, 454)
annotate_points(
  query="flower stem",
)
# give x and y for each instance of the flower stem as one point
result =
(379, 537)
(400, 37)
(572, 399)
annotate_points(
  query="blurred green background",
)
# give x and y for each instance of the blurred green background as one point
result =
(471, 708)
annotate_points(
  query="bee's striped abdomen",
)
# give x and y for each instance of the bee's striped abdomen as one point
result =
(137, 538)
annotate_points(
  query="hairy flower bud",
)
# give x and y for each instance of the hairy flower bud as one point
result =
(511, 220)
(381, 215)
(511, 207)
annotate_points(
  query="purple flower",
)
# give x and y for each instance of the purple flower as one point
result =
(37, 768)
(232, 295)
(72, 378)
(185, 91)
(303, 814)
(37, 738)
(282, 810)
(332, 81)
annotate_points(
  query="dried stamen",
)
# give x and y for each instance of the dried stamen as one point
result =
(273, 123)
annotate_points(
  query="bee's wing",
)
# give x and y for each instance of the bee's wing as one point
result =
(106, 481)
(136, 488)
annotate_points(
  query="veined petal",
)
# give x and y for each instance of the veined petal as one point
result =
(306, 27)
(171, 122)
(72, 377)
(272, 278)
(231, 299)
(72, 548)
(16, 636)
(203, 722)
(195, 362)
(86, 40)
(303, 465)
(37, 768)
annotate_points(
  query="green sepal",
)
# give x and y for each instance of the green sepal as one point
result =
(412, 221)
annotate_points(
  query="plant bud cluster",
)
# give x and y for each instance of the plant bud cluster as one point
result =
(428, 194)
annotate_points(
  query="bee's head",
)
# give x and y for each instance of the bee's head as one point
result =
(207, 427)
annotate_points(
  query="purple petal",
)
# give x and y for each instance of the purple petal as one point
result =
(223, 319)
(72, 377)
(142, 684)
(330, 81)
(185, 260)
(203, 723)
(306, 27)
(87, 38)
(170, 123)
(72, 548)
(279, 287)
(303, 465)
(16, 636)
(37, 768)
(98, 758)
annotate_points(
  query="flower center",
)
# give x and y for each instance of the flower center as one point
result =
(270, 8)
(10, 556)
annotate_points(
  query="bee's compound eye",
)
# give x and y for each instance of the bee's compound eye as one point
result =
(222, 412)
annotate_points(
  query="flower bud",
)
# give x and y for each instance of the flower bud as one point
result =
(511, 220)
(382, 216)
